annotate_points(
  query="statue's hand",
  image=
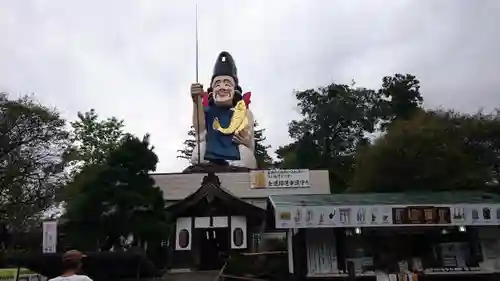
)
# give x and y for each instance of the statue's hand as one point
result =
(196, 90)
(242, 138)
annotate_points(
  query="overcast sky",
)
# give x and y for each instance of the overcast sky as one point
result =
(136, 59)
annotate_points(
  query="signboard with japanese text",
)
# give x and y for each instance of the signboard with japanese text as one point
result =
(386, 215)
(280, 179)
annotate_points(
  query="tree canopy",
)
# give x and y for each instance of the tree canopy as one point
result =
(339, 120)
(33, 140)
(118, 198)
(335, 121)
(189, 145)
(434, 150)
(93, 138)
(261, 155)
(401, 95)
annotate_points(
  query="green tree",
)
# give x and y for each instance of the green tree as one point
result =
(93, 138)
(402, 98)
(435, 150)
(264, 161)
(118, 198)
(335, 121)
(482, 134)
(189, 145)
(261, 154)
(32, 142)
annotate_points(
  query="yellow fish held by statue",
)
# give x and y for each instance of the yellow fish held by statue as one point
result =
(239, 120)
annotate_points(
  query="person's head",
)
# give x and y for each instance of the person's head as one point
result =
(224, 89)
(72, 261)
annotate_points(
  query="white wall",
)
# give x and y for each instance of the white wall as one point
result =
(179, 186)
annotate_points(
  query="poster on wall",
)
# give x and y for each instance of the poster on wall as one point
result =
(334, 216)
(459, 214)
(328, 217)
(482, 214)
(283, 218)
(278, 178)
(380, 215)
(421, 215)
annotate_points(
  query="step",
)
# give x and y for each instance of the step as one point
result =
(192, 276)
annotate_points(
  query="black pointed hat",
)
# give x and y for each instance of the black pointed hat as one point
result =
(225, 66)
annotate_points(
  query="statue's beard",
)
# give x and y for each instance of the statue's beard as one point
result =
(223, 97)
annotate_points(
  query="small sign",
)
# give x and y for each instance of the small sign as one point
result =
(49, 240)
(280, 179)
(286, 216)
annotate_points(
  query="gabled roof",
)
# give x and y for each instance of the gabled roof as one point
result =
(210, 191)
(410, 198)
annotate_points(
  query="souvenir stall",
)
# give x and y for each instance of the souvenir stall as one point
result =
(402, 236)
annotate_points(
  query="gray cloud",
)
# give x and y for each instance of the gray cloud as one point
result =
(135, 59)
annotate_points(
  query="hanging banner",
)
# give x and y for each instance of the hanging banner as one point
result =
(49, 240)
(421, 215)
(386, 215)
(280, 179)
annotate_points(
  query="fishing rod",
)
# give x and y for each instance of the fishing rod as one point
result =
(198, 129)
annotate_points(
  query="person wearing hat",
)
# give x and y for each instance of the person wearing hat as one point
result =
(72, 264)
(215, 113)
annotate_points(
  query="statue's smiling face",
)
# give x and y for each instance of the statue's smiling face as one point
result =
(223, 90)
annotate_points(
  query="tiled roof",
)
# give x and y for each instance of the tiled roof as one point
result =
(411, 198)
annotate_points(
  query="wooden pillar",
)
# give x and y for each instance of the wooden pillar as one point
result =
(289, 242)
(299, 254)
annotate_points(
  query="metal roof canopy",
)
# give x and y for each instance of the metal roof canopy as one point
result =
(410, 198)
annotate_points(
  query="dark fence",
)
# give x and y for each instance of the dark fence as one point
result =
(256, 266)
(99, 266)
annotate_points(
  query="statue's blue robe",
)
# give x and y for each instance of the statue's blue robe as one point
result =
(218, 146)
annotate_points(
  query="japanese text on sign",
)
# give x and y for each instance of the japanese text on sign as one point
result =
(280, 179)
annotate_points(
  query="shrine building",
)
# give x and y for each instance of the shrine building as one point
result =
(216, 214)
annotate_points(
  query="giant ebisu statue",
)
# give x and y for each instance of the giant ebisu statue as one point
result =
(222, 119)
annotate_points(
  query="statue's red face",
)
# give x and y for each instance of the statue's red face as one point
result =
(223, 90)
